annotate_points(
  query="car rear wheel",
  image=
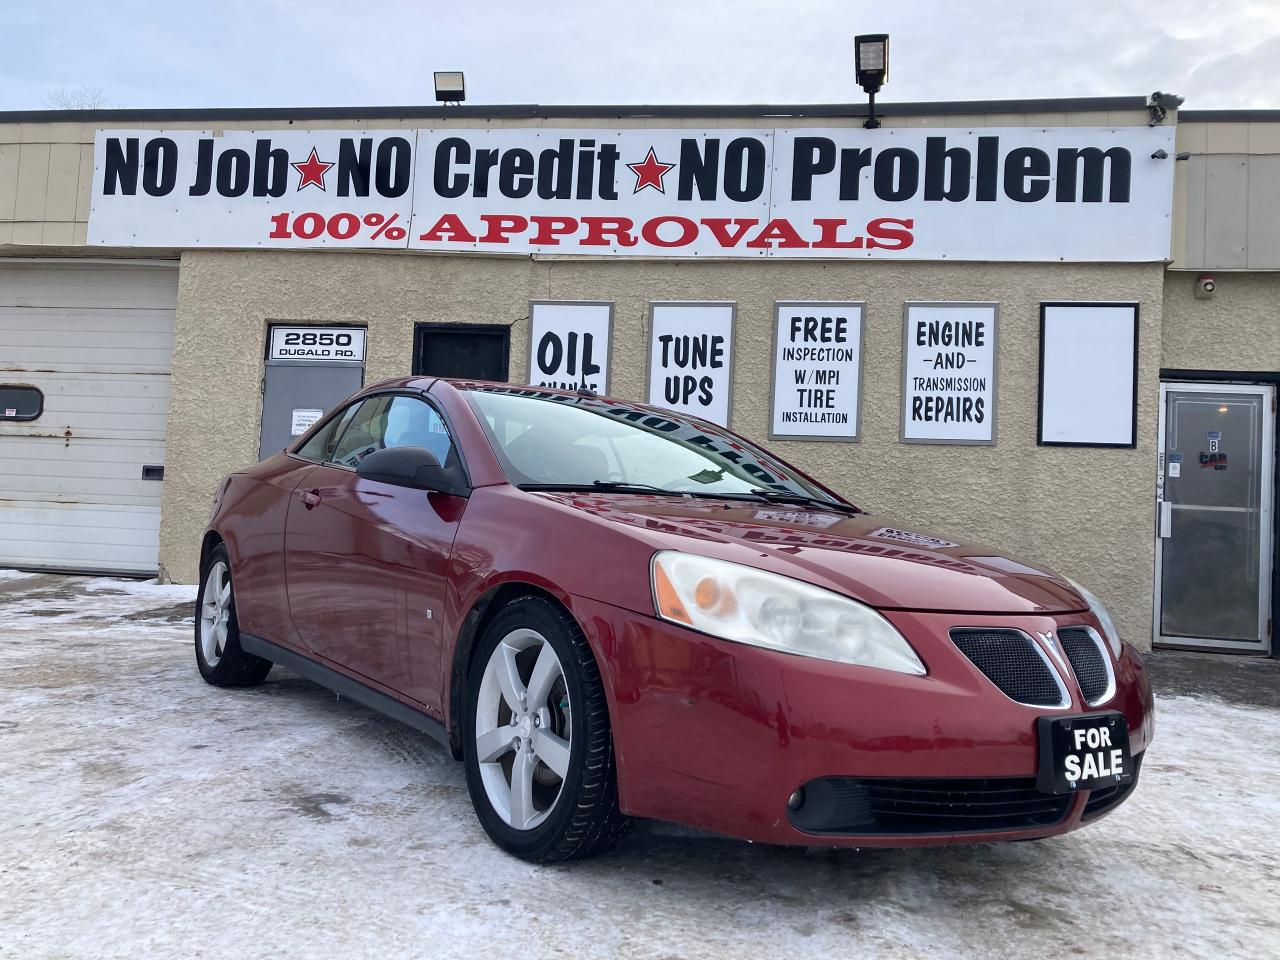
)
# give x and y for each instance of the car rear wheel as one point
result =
(218, 654)
(538, 748)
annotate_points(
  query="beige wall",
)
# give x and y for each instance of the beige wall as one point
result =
(1238, 329)
(1086, 512)
(1226, 211)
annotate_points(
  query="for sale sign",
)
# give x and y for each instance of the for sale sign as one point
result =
(691, 358)
(817, 370)
(949, 373)
(1014, 194)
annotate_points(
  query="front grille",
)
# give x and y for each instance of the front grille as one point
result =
(923, 806)
(1011, 661)
(1108, 798)
(1087, 660)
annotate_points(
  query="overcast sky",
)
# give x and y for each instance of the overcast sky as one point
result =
(230, 53)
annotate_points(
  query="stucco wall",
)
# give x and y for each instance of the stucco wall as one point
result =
(1238, 329)
(1086, 512)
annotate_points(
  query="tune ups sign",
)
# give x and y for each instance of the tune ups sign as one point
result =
(1014, 194)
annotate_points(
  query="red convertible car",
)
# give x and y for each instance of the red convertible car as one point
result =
(609, 610)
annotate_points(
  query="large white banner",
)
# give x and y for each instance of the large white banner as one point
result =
(691, 358)
(246, 188)
(1012, 194)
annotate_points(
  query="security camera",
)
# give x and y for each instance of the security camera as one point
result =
(1169, 101)
(1159, 104)
(1161, 154)
(1205, 285)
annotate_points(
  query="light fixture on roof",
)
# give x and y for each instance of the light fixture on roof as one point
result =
(450, 87)
(871, 66)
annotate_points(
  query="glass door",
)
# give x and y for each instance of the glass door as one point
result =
(1214, 495)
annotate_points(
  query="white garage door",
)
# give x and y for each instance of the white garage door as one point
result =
(96, 341)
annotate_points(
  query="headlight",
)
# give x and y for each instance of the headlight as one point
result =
(746, 605)
(1108, 626)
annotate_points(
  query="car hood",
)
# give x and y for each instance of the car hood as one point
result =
(873, 559)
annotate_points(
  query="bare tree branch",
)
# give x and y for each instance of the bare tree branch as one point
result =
(80, 98)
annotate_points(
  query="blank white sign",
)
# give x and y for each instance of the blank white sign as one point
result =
(1087, 385)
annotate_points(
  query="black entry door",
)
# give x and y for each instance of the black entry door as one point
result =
(463, 350)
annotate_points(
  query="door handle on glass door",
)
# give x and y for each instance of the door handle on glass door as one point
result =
(310, 498)
(1166, 519)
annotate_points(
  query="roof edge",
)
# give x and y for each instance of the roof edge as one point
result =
(1229, 116)
(580, 112)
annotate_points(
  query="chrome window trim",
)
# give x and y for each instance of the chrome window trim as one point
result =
(1105, 650)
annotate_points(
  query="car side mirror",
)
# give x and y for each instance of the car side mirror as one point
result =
(415, 467)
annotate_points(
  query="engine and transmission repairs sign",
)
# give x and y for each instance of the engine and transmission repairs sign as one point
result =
(999, 194)
(949, 373)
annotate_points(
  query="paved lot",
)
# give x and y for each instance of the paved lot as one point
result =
(145, 814)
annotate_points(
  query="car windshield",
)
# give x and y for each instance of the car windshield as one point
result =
(551, 440)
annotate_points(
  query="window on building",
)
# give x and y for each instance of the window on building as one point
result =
(20, 402)
(462, 351)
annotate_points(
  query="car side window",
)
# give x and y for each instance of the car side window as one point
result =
(413, 423)
(321, 446)
(390, 421)
(363, 435)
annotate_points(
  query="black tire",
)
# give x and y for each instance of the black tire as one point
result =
(232, 667)
(584, 819)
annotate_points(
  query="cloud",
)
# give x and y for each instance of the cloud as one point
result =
(1249, 79)
(145, 53)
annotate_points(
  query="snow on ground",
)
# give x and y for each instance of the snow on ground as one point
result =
(146, 814)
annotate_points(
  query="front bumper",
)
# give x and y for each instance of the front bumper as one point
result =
(718, 735)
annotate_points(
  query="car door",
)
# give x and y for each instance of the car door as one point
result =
(367, 562)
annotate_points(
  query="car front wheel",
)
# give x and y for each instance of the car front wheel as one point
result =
(539, 751)
(218, 654)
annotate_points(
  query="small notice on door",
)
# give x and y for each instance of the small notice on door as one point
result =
(1175, 468)
(303, 420)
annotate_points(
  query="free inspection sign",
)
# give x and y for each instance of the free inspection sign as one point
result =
(817, 370)
(996, 194)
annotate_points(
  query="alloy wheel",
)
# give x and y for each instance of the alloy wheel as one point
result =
(215, 612)
(523, 733)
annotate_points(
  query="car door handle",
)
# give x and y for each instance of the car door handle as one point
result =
(310, 498)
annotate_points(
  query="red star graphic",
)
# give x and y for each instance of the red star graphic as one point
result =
(650, 172)
(311, 171)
